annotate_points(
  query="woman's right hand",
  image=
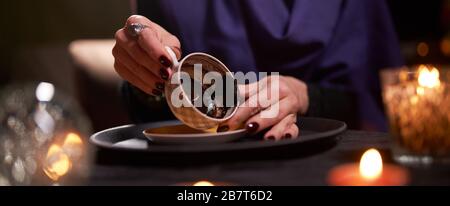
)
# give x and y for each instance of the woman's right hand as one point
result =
(143, 60)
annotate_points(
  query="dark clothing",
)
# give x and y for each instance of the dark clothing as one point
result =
(337, 47)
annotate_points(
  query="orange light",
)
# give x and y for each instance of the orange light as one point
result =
(428, 77)
(203, 183)
(423, 49)
(73, 146)
(72, 139)
(371, 165)
(57, 163)
(445, 47)
(369, 172)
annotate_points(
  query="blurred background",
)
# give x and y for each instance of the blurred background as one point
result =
(68, 43)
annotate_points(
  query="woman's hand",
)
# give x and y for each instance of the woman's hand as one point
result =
(143, 60)
(277, 111)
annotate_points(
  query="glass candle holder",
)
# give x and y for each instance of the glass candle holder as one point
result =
(43, 137)
(417, 104)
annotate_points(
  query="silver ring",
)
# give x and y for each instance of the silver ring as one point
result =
(135, 29)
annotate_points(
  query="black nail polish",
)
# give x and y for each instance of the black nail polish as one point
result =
(287, 136)
(223, 128)
(252, 127)
(159, 85)
(271, 138)
(164, 74)
(165, 62)
(156, 92)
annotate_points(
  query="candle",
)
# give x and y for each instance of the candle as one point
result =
(370, 172)
(203, 183)
(61, 158)
(418, 108)
(57, 163)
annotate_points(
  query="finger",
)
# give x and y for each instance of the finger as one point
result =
(278, 131)
(170, 40)
(264, 92)
(136, 52)
(150, 40)
(247, 90)
(271, 115)
(149, 79)
(292, 132)
(125, 73)
(243, 113)
(252, 106)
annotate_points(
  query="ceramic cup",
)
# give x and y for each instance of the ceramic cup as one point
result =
(187, 112)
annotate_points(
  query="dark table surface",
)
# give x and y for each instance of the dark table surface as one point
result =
(254, 167)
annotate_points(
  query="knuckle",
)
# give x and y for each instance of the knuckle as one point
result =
(152, 32)
(118, 34)
(177, 41)
(133, 19)
(117, 67)
(114, 51)
(283, 89)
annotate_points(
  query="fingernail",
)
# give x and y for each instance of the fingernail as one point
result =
(252, 127)
(156, 92)
(164, 74)
(271, 138)
(159, 85)
(223, 128)
(165, 62)
(287, 136)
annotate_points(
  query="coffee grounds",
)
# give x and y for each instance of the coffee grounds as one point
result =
(211, 109)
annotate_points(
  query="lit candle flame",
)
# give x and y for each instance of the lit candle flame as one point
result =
(428, 77)
(203, 183)
(57, 163)
(371, 164)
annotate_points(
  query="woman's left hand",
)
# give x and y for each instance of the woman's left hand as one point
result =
(274, 101)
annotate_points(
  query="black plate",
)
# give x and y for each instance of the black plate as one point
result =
(312, 130)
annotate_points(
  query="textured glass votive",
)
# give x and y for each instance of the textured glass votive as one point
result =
(417, 103)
